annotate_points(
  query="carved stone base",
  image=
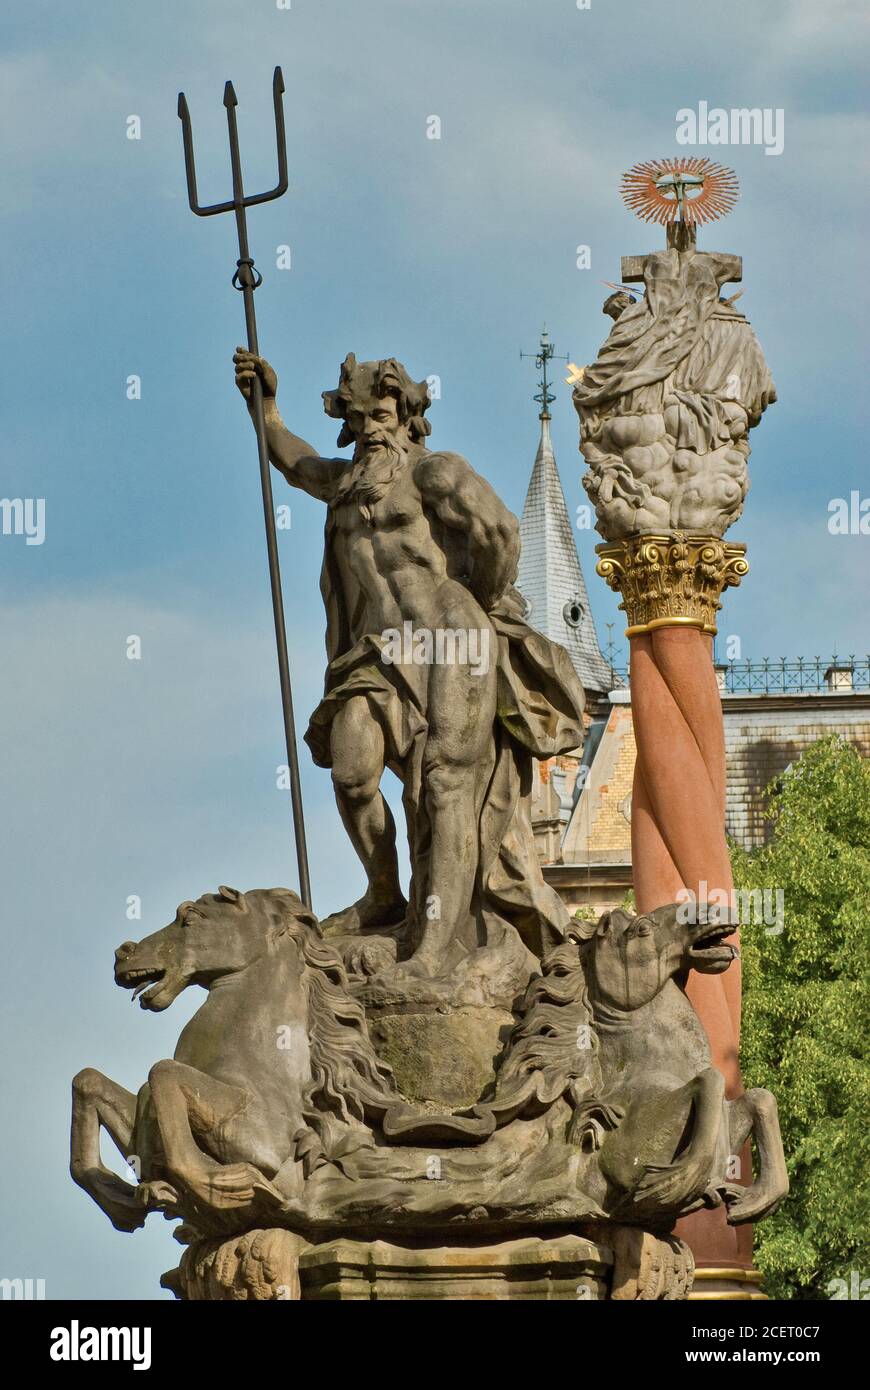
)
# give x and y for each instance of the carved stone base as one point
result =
(262, 1266)
(276, 1265)
(442, 1058)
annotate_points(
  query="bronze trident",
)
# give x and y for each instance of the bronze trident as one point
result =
(247, 279)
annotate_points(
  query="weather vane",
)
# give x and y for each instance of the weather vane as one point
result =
(546, 353)
(691, 189)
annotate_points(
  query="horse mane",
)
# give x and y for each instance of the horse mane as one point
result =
(350, 1084)
(548, 1037)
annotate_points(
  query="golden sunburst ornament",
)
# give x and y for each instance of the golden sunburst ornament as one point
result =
(689, 189)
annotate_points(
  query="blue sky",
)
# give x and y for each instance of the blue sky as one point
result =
(157, 777)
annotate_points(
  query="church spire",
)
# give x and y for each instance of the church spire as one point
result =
(550, 577)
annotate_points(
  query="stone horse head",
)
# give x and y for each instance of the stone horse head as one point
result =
(219, 935)
(629, 960)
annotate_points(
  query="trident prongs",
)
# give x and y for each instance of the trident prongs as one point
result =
(247, 279)
(230, 102)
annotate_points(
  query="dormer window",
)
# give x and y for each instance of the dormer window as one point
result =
(573, 612)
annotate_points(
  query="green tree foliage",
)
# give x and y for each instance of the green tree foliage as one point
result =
(805, 1017)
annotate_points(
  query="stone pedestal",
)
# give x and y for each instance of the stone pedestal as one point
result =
(622, 1263)
(567, 1267)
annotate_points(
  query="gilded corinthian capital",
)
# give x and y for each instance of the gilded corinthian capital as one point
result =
(671, 581)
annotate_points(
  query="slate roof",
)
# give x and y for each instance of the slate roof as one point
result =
(550, 578)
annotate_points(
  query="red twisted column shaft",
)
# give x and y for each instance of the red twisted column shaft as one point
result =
(678, 843)
(678, 806)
